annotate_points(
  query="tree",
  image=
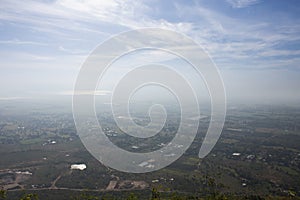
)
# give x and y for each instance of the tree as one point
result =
(155, 194)
(84, 196)
(2, 194)
(132, 197)
(30, 197)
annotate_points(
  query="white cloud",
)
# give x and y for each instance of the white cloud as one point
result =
(83, 15)
(12, 98)
(239, 42)
(224, 37)
(71, 27)
(242, 3)
(96, 92)
(20, 42)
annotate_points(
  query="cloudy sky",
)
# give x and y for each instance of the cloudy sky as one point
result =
(254, 43)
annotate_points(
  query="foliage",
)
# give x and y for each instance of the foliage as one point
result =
(132, 197)
(155, 195)
(84, 196)
(2, 194)
(30, 197)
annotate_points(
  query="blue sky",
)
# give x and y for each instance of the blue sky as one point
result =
(254, 43)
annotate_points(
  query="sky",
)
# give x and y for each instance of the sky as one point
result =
(254, 43)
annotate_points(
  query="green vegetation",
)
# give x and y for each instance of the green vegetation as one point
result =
(267, 166)
(156, 195)
(2, 194)
(30, 197)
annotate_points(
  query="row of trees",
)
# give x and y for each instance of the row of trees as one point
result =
(212, 194)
